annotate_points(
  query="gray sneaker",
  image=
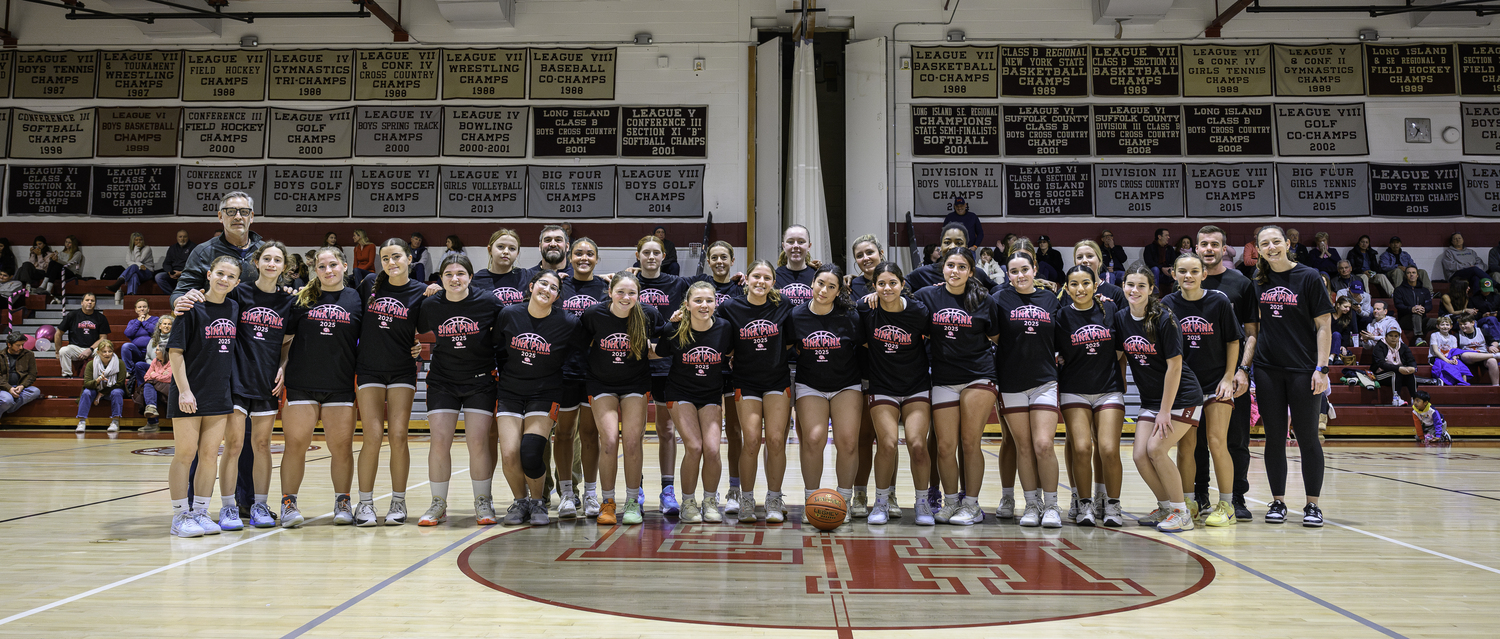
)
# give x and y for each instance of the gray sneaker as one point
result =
(364, 515)
(1154, 518)
(397, 514)
(343, 511)
(732, 501)
(746, 513)
(436, 514)
(775, 510)
(1113, 518)
(945, 514)
(484, 511)
(1099, 501)
(539, 513)
(892, 508)
(1073, 509)
(711, 512)
(516, 514)
(924, 513)
(1006, 509)
(689, 512)
(860, 505)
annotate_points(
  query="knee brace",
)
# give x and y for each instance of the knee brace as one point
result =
(533, 455)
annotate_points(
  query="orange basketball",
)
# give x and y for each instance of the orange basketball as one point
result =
(825, 508)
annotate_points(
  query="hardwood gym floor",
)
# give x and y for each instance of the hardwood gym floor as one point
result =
(1412, 550)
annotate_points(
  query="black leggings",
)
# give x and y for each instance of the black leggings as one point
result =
(1276, 392)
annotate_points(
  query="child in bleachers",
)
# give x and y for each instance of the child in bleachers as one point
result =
(1427, 421)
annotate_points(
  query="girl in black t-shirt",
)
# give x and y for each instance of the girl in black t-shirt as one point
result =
(664, 292)
(827, 332)
(1091, 391)
(895, 336)
(762, 385)
(460, 383)
(794, 268)
(1028, 385)
(386, 375)
(867, 253)
(698, 347)
(202, 352)
(721, 274)
(503, 279)
(1151, 340)
(574, 417)
(618, 332)
(325, 326)
(1088, 253)
(965, 323)
(259, 375)
(1290, 347)
(1211, 349)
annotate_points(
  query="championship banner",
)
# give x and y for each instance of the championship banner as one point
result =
(395, 191)
(1481, 189)
(224, 76)
(396, 74)
(1137, 130)
(572, 74)
(203, 186)
(1046, 129)
(1477, 65)
(1138, 190)
(1415, 69)
(48, 190)
(311, 135)
(1407, 190)
(1321, 129)
(4, 131)
(1323, 190)
(7, 65)
(1319, 70)
(1044, 72)
(1135, 70)
(135, 191)
(138, 132)
(405, 131)
(1211, 71)
(37, 135)
(483, 191)
(140, 75)
(484, 74)
(56, 74)
(322, 74)
(660, 191)
(306, 191)
(1230, 190)
(1049, 189)
(980, 185)
(575, 132)
(571, 192)
(1228, 129)
(484, 132)
(1481, 127)
(228, 132)
(664, 132)
(954, 72)
(960, 130)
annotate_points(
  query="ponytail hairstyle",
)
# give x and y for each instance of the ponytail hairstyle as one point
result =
(1262, 269)
(773, 295)
(868, 237)
(1188, 256)
(973, 291)
(1078, 268)
(841, 302)
(309, 294)
(635, 324)
(892, 268)
(534, 277)
(1155, 311)
(781, 257)
(286, 259)
(685, 327)
(381, 278)
(225, 259)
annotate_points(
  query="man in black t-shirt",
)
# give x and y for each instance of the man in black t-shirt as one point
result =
(84, 328)
(1159, 256)
(1218, 276)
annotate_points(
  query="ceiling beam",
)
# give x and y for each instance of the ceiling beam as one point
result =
(398, 32)
(1214, 28)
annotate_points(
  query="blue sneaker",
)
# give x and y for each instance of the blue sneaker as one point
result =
(640, 498)
(260, 516)
(229, 518)
(669, 505)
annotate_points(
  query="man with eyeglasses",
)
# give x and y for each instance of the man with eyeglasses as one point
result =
(236, 212)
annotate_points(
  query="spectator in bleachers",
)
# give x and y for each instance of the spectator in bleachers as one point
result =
(669, 263)
(1494, 263)
(1048, 255)
(138, 331)
(86, 328)
(1298, 250)
(1355, 293)
(960, 215)
(1393, 263)
(140, 267)
(988, 264)
(421, 261)
(7, 256)
(162, 330)
(1484, 300)
(155, 388)
(1460, 261)
(1002, 247)
(174, 262)
(12, 297)
(1473, 340)
(1380, 322)
(453, 245)
(1113, 257)
(1185, 246)
(1322, 256)
(331, 239)
(1393, 361)
(364, 255)
(1159, 256)
(1343, 273)
(33, 271)
(930, 253)
(17, 375)
(1366, 261)
(1248, 260)
(1457, 298)
(63, 266)
(1447, 364)
(1347, 325)
(1412, 302)
(103, 376)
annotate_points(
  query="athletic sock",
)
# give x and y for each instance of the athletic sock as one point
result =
(950, 499)
(260, 498)
(772, 494)
(482, 487)
(734, 482)
(970, 500)
(565, 488)
(200, 503)
(401, 496)
(666, 480)
(847, 494)
(607, 495)
(632, 494)
(1049, 499)
(590, 487)
(707, 495)
(862, 489)
(1100, 490)
(807, 493)
(366, 497)
(1034, 496)
(179, 506)
(1179, 505)
(1164, 504)
(228, 501)
(1008, 492)
(439, 490)
(921, 498)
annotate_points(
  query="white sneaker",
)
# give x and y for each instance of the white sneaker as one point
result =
(397, 514)
(291, 516)
(689, 513)
(1113, 518)
(859, 506)
(880, 514)
(436, 514)
(114, 426)
(711, 512)
(967, 515)
(1032, 517)
(1156, 516)
(1175, 521)
(183, 525)
(229, 518)
(947, 512)
(1006, 509)
(83, 425)
(732, 501)
(209, 526)
(364, 515)
(343, 511)
(1073, 509)
(1099, 501)
(1397, 401)
(924, 513)
(484, 511)
(1086, 514)
(590, 505)
(775, 510)
(1051, 518)
(747, 514)
(568, 507)
(892, 508)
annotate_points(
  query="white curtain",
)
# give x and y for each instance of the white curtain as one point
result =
(804, 179)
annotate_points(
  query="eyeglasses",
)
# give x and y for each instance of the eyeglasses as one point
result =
(245, 213)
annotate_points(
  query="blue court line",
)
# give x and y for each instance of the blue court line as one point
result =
(381, 586)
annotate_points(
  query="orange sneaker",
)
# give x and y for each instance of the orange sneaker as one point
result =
(607, 513)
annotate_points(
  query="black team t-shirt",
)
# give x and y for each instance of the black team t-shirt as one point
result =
(896, 348)
(761, 359)
(664, 293)
(827, 348)
(1287, 307)
(535, 349)
(84, 329)
(609, 359)
(959, 338)
(1024, 356)
(509, 288)
(697, 368)
(576, 297)
(1114, 293)
(464, 348)
(931, 274)
(1240, 291)
(795, 286)
(206, 335)
(325, 336)
(388, 329)
(723, 291)
(1086, 343)
(1208, 326)
(262, 325)
(1148, 360)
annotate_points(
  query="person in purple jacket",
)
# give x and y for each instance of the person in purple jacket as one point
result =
(138, 331)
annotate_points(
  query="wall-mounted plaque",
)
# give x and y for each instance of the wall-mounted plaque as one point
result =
(223, 76)
(980, 185)
(664, 132)
(1323, 190)
(490, 132)
(1231, 190)
(398, 131)
(1414, 69)
(203, 186)
(224, 132)
(1049, 189)
(1321, 129)
(1137, 130)
(483, 191)
(396, 74)
(1319, 70)
(395, 191)
(571, 192)
(1135, 70)
(1138, 190)
(140, 75)
(48, 190)
(484, 74)
(1046, 129)
(56, 74)
(138, 132)
(322, 74)
(1214, 70)
(660, 191)
(38, 135)
(311, 135)
(954, 72)
(1044, 72)
(1228, 129)
(960, 130)
(135, 191)
(573, 74)
(1415, 190)
(307, 191)
(575, 131)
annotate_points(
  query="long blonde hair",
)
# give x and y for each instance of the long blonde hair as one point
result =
(635, 324)
(309, 294)
(685, 327)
